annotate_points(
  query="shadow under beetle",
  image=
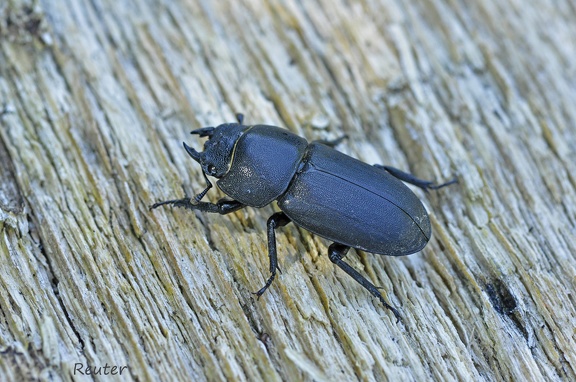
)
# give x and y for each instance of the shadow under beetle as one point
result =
(318, 188)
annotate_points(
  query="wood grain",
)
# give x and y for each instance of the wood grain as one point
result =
(97, 97)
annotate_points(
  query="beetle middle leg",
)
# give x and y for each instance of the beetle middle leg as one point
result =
(409, 178)
(279, 219)
(331, 142)
(336, 252)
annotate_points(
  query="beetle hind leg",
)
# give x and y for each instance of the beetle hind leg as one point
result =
(409, 178)
(277, 220)
(336, 252)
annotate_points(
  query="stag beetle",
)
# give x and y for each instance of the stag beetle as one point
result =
(322, 190)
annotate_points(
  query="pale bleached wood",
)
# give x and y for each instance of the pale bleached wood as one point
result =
(98, 96)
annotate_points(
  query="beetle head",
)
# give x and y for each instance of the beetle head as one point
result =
(218, 149)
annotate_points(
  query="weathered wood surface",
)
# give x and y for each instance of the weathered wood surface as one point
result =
(98, 96)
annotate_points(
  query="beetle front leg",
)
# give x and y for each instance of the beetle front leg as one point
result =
(336, 252)
(409, 178)
(277, 220)
(222, 207)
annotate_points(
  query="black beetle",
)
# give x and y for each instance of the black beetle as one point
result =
(318, 188)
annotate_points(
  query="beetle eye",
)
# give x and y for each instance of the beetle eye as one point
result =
(211, 169)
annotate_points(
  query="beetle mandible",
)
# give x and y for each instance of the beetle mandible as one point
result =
(324, 191)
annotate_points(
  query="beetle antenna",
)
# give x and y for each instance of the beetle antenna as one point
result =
(193, 153)
(204, 132)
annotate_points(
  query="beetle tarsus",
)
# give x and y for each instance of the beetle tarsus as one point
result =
(201, 195)
(336, 252)
(279, 219)
(265, 287)
(409, 178)
(240, 118)
(437, 186)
